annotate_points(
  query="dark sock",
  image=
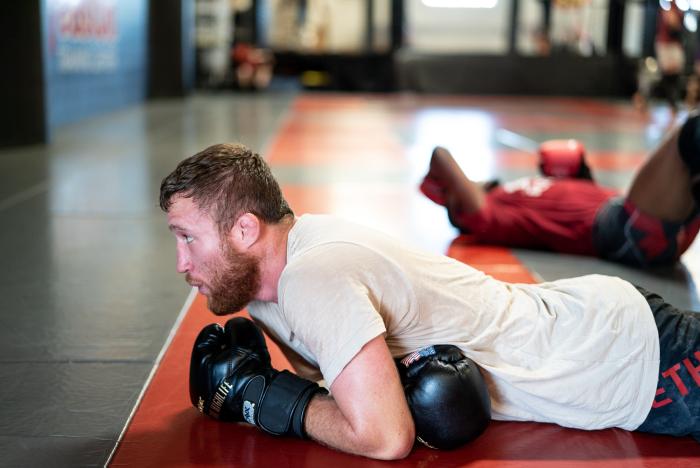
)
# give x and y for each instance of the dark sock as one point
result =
(689, 143)
(695, 188)
(689, 149)
(491, 184)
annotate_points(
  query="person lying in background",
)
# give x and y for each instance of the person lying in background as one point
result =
(565, 210)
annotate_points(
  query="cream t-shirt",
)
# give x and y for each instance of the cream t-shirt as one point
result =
(579, 352)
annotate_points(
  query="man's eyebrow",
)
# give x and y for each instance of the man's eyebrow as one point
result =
(175, 227)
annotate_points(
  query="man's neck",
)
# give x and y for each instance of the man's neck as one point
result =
(273, 258)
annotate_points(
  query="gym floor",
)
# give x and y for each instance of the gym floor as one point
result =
(94, 318)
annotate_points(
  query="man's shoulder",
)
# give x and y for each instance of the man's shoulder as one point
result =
(332, 268)
(328, 239)
(330, 257)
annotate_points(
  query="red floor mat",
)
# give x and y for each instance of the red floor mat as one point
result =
(166, 431)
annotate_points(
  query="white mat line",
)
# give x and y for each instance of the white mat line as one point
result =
(166, 345)
(24, 195)
(516, 141)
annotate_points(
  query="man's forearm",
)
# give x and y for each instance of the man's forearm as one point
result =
(327, 425)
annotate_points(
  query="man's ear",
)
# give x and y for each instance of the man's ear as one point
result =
(246, 231)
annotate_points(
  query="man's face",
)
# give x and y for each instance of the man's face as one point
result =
(228, 278)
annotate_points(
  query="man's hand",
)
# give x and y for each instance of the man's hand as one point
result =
(447, 396)
(231, 379)
(367, 414)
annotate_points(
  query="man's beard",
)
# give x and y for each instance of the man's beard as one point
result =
(235, 283)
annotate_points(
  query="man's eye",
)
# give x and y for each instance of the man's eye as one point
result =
(188, 239)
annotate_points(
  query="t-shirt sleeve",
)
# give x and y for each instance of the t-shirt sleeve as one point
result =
(333, 315)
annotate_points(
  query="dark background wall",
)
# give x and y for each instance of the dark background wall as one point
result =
(21, 74)
(565, 74)
(62, 62)
(171, 66)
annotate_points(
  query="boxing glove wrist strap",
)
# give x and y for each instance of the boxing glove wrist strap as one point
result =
(277, 403)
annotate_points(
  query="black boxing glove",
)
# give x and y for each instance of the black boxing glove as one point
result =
(447, 396)
(232, 379)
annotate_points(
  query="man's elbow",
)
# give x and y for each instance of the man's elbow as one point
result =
(395, 446)
(399, 449)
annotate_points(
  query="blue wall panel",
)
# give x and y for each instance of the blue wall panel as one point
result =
(95, 56)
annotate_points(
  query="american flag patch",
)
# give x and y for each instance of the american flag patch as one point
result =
(416, 355)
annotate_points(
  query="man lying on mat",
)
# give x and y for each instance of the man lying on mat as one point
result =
(410, 344)
(566, 211)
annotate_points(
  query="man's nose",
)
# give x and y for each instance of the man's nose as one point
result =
(183, 261)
